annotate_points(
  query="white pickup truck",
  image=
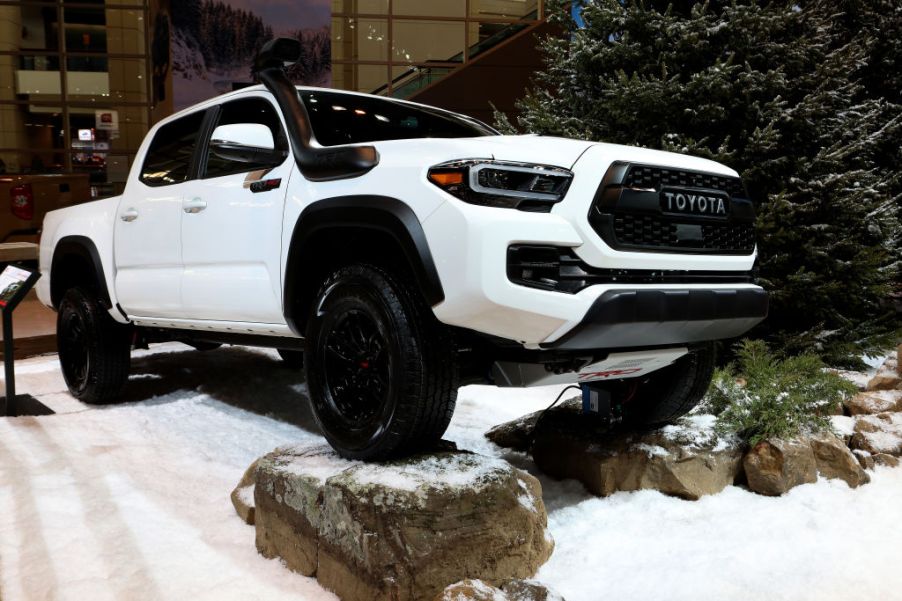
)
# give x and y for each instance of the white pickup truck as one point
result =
(399, 250)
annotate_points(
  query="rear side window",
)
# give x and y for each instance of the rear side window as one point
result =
(248, 110)
(168, 159)
(349, 119)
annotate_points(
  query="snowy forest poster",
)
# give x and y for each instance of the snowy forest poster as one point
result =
(214, 42)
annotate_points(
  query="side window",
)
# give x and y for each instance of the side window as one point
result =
(168, 159)
(247, 110)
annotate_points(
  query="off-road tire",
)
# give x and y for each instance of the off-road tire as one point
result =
(418, 358)
(94, 349)
(672, 392)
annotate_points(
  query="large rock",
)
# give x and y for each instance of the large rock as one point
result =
(403, 530)
(887, 376)
(880, 433)
(513, 590)
(834, 460)
(686, 460)
(773, 467)
(873, 402)
(516, 434)
(243, 495)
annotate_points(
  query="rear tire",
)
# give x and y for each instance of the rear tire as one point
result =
(672, 392)
(381, 370)
(94, 349)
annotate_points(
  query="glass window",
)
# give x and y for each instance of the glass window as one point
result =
(360, 7)
(504, 9)
(360, 78)
(350, 119)
(360, 39)
(170, 154)
(421, 41)
(433, 8)
(248, 110)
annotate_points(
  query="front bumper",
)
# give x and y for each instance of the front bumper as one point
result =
(649, 317)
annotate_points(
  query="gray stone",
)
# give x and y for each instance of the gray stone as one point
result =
(686, 460)
(402, 530)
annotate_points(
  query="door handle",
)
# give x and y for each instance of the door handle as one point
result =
(195, 205)
(129, 215)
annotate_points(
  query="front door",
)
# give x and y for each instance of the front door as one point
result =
(148, 245)
(231, 230)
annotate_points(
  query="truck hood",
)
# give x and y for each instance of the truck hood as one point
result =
(545, 150)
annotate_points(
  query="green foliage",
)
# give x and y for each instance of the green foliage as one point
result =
(801, 97)
(763, 396)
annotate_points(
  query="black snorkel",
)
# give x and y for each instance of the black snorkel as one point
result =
(316, 164)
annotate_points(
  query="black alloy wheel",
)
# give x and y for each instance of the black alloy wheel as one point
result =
(380, 369)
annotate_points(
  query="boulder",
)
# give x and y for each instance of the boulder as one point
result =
(529, 590)
(873, 402)
(834, 460)
(865, 459)
(886, 460)
(289, 503)
(402, 530)
(887, 376)
(471, 590)
(243, 495)
(515, 434)
(880, 433)
(686, 460)
(772, 467)
(512, 590)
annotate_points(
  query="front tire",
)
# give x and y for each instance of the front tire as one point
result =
(670, 393)
(94, 349)
(380, 368)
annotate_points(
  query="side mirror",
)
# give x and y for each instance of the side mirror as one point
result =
(246, 143)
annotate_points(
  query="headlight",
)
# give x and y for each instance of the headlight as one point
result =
(503, 184)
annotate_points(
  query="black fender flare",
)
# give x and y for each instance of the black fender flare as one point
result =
(380, 213)
(84, 248)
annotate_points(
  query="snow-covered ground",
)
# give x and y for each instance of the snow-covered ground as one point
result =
(132, 502)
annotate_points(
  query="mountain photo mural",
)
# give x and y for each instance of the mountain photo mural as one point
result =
(214, 43)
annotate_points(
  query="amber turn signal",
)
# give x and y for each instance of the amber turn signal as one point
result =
(447, 178)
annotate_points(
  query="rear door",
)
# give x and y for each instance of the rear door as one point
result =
(232, 229)
(148, 245)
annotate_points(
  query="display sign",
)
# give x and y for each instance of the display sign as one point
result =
(85, 135)
(12, 281)
(106, 120)
(15, 282)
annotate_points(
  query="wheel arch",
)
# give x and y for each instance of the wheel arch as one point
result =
(76, 261)
(328, 232)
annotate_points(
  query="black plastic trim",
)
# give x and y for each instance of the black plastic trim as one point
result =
(380, 213)
(315, 163)
(84, 248)
(643, 318)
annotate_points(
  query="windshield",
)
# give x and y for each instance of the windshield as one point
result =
(338, 118)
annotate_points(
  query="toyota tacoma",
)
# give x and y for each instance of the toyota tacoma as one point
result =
(398, 251)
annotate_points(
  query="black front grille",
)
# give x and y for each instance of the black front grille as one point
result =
(644, 176)
(657, 231)
(627, 213)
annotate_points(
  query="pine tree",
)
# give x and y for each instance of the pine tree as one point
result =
(787, 93)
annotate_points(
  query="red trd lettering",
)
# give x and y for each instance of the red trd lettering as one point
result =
(609, 374)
